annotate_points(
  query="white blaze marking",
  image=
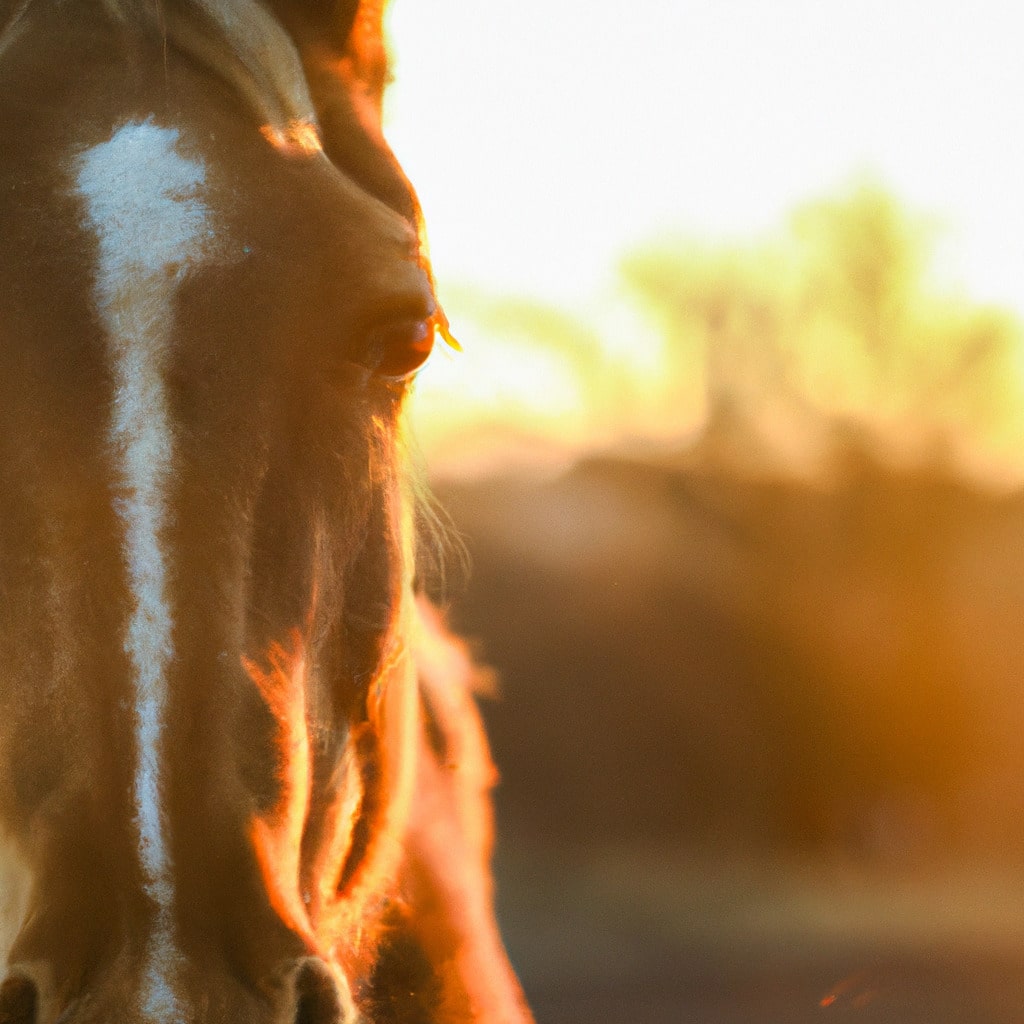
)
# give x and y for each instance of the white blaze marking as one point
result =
(144, 202)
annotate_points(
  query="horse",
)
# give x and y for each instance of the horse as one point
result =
(244, 777)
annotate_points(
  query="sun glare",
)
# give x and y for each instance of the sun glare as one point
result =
(544, 158)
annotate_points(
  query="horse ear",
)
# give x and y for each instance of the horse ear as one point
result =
(365, 48)
(341, 45)
(330, 20)
(342, 15)
(346, 30)
(330, 23)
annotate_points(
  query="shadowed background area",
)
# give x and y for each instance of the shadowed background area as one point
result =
(737, 449)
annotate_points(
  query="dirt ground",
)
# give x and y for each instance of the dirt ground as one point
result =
(634, 940)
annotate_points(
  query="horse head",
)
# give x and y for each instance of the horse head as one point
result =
(214, 720)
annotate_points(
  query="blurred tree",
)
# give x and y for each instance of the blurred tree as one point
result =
(838, 322)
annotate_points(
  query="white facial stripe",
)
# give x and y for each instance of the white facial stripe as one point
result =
(144, 202)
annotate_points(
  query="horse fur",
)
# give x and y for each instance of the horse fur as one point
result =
(244, 778)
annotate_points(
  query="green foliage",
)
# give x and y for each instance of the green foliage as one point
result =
(838, 321)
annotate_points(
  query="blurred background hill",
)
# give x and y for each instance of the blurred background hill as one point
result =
(746, 519)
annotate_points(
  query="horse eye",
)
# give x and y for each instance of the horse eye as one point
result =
(399, 348)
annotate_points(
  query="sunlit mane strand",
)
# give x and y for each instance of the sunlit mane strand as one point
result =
(442, 560)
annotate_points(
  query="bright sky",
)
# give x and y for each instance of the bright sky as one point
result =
(545, 135)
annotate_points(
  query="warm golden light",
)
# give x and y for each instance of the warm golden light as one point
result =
(778, 347)
(542, 157)
(546, 137)
(378, 775)
(736, 443)
(277, 836)
(297, 138)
